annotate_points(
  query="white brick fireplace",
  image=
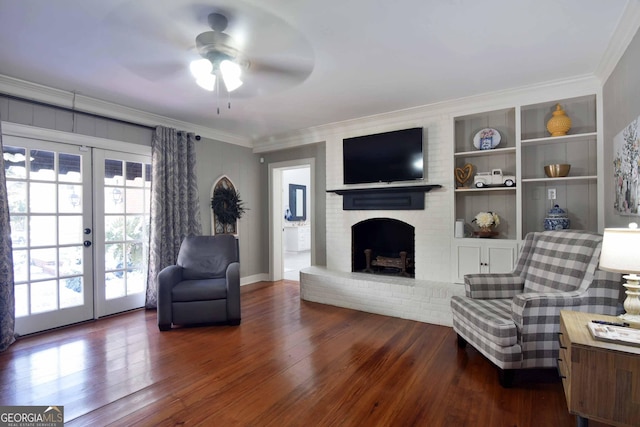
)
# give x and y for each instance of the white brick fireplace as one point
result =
(425, 298)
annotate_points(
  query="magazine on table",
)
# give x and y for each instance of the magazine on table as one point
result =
(614, 333)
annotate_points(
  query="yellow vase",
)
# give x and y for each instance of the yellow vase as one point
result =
(560, 123)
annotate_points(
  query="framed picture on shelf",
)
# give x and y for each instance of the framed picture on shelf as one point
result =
(626, 170)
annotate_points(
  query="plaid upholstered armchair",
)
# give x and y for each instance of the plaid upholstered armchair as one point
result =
(513, 318)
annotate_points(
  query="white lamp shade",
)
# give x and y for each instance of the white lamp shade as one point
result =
(621, 250)
(231, 75)
(200, 68)
(207, 82)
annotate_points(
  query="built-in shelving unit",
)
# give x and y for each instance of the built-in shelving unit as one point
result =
(501, 200)
(577, 193)
(525, 148)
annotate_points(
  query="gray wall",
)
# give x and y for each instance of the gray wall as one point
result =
(621, 102)
(243, 168)
(214, 159)
(318, 205)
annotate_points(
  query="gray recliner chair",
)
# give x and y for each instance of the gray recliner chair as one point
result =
(203, 286)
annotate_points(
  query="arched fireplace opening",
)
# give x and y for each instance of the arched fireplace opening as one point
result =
(383, 246)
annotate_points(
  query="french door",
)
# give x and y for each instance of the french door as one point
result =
(79, 221)
(122, 195)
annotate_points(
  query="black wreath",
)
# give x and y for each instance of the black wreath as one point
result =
(227, 205)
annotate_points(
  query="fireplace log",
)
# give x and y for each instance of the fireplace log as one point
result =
(402, 263)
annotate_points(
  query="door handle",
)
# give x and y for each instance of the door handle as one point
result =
(87, 243)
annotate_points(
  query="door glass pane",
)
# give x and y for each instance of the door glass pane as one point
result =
(71, 294)
(70, 229)
(44, 296)
(134, 174)
(22, 299)
(42, 197)
(43, 231)
(135, 200)
(134, 227)
(147, 175)
(18, 231)
(114, 285)
(17, 192)
(114, 228)
(69, 168)
(70, 260)
(136, 280)
(43, 263)
(113, 200)
(70, 198)
(20, 266)
(114, 256)
(14, 162)
(42, 165)
(113, 172)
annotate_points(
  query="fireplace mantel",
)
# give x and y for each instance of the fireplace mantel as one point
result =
(407, 197)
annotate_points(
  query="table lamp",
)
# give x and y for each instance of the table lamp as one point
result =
(621, 254)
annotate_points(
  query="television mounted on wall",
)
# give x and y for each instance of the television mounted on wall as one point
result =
(383, 157)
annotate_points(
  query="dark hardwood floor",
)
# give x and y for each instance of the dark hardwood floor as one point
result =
(290, 363)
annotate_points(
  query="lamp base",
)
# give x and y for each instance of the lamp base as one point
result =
(632, 319)
(632, 302)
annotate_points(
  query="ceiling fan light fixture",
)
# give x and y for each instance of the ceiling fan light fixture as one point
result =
(207, 82)
(200, 68)
(231, 73)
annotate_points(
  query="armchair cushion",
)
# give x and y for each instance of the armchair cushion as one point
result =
(199, 290)
(560, 261)
(491, 318)
(196, 260)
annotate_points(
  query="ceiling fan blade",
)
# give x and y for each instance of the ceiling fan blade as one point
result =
(297, 69)
(155, 71)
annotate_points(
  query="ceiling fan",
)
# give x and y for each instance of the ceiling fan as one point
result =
(221, 58)
(244, 48)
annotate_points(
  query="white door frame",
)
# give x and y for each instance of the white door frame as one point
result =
(276, 216)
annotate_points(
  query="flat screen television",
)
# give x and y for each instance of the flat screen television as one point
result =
(383, 157)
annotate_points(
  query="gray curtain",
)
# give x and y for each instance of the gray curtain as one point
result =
(7, 302)
(175, 207)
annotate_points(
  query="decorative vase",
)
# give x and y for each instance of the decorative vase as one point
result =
(560, 123)
(557, 219)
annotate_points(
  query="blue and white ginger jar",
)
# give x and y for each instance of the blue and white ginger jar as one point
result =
(557, 219)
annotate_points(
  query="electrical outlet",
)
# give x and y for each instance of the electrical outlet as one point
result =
(551, 193)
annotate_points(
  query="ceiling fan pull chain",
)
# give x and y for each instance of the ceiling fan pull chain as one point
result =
(218, 93)
(229, 100)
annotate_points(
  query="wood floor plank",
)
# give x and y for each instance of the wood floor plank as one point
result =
(290, 363)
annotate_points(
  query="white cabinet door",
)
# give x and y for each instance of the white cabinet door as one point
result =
(500, 259)
(468, 260)
(472, 256)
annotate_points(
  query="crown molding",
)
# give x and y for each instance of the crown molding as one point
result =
(416, 116)
(80, 103)
(623, 35)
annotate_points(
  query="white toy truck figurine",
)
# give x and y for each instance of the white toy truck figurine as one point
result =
(493, 178)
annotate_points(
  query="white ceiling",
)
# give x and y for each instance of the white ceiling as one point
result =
(362, 57)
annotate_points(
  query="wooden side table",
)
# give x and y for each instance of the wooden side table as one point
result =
(601, 380)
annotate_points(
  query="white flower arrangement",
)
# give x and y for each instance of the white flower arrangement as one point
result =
(487, 219)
